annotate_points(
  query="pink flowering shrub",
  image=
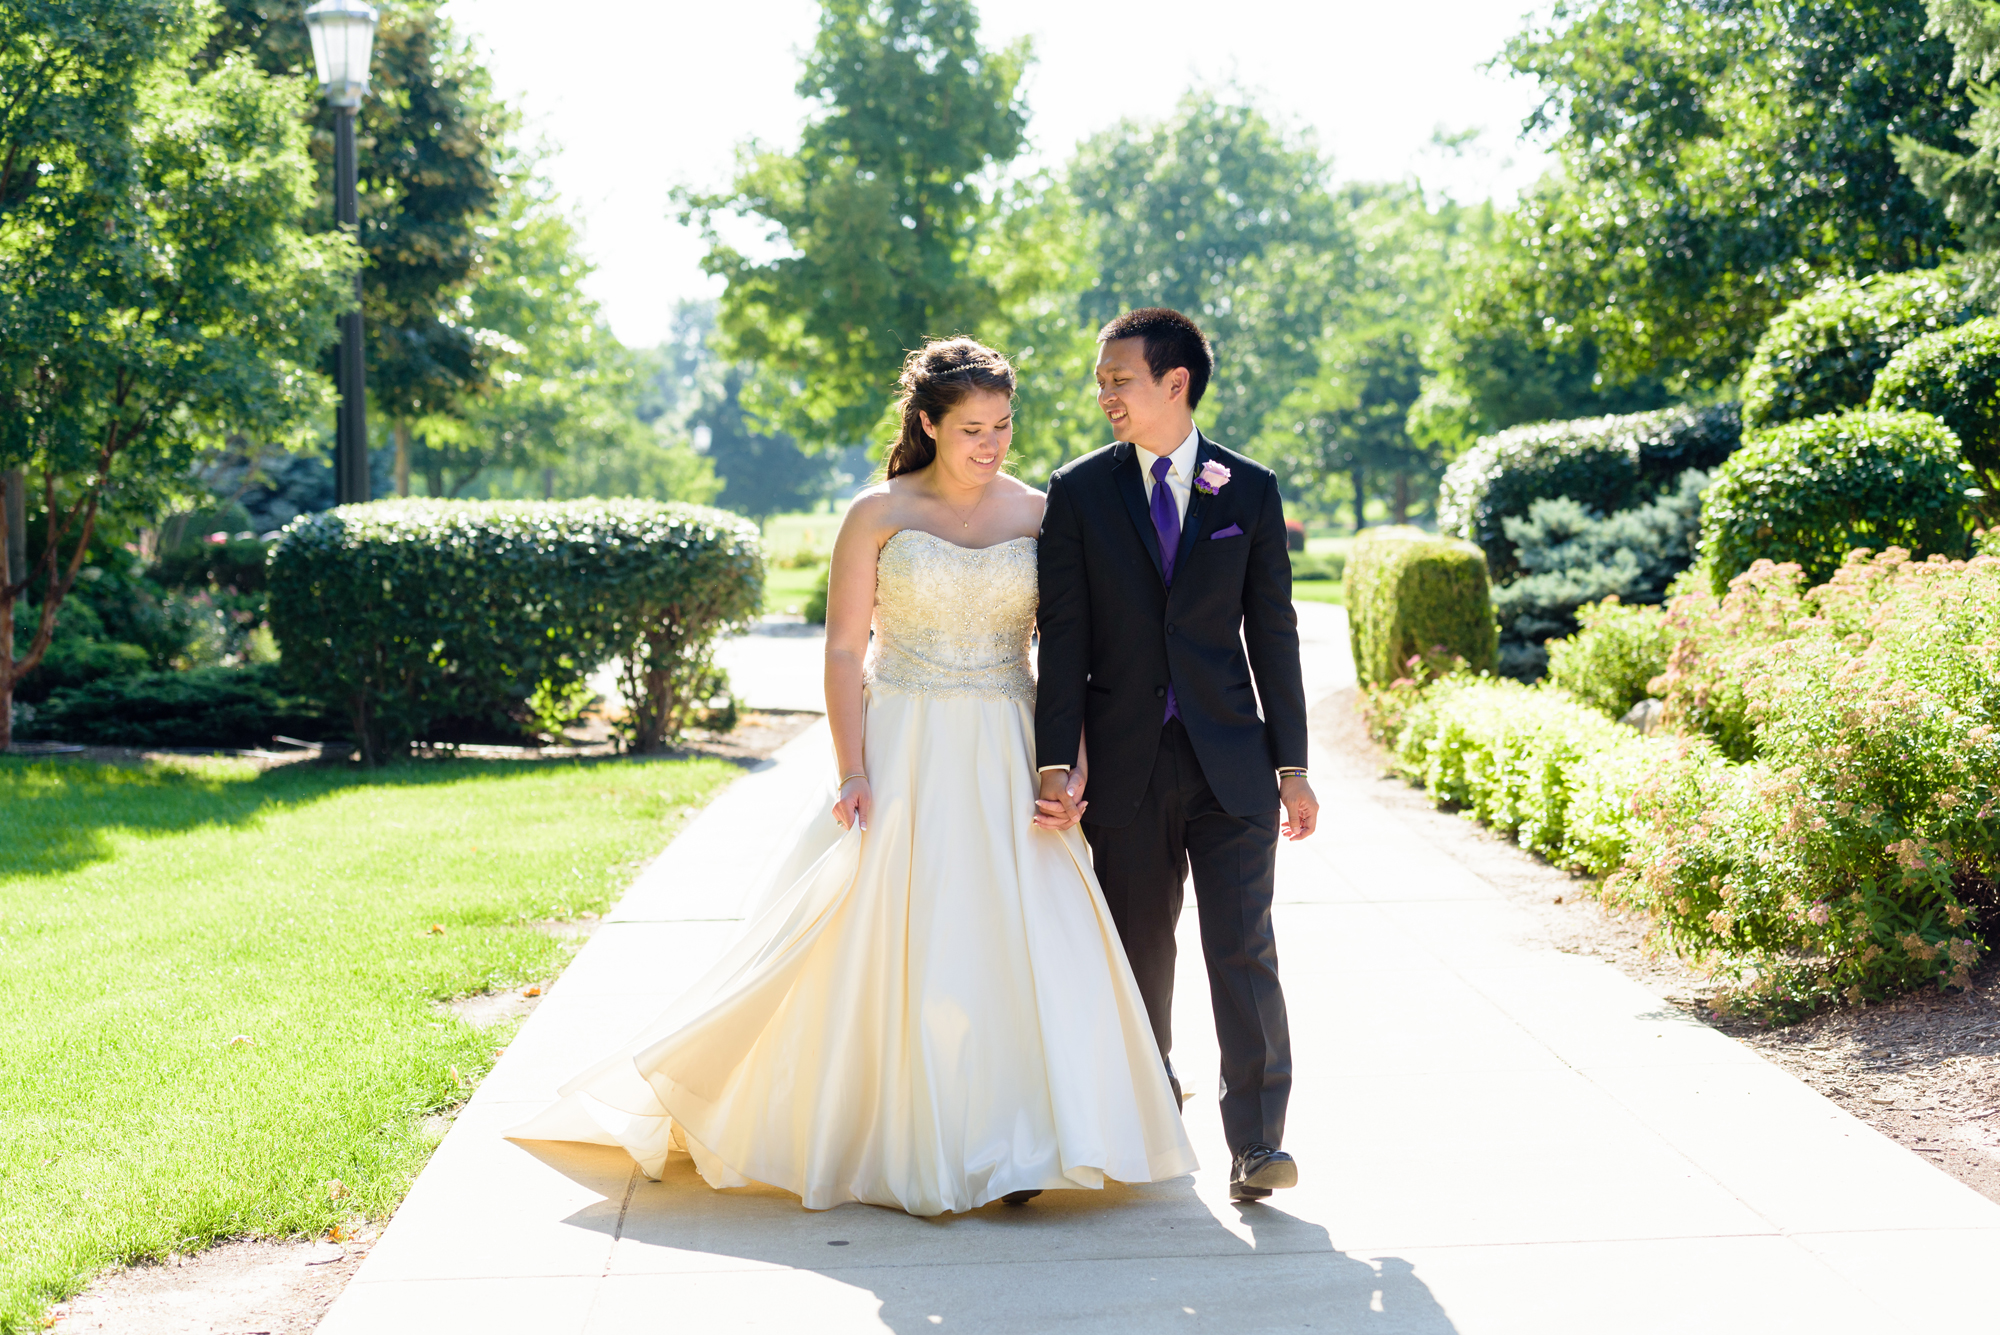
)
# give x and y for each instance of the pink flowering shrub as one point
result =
(1824, 822)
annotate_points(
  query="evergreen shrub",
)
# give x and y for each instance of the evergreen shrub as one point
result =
(1810, 492)
(209, 706)
(416, 616)
(1411, 596)
(1604, 464)
(1954, 375)
(1612, 661)
(1570, 557)
(1822, 352)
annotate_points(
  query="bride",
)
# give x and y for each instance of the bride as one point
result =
(933, 1011)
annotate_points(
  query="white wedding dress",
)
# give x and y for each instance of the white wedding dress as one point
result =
(933, 1013)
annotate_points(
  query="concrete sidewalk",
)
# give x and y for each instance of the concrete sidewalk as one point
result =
(1493, 1137)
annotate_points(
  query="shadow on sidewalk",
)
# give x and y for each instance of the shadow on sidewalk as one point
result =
(1127, 1257)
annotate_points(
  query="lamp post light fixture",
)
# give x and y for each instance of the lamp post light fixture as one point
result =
(343, 38)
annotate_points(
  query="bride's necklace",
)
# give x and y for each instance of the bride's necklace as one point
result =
(965, 516)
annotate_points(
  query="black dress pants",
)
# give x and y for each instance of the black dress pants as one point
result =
(1143, 868)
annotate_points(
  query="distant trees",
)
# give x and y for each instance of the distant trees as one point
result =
(159, 281)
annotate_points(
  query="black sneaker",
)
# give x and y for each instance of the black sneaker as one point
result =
(1259, 1170)
(1019, 1197)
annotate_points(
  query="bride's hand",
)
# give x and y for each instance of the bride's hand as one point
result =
(855, 802)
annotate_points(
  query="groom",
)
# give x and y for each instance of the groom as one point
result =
(1166, 592)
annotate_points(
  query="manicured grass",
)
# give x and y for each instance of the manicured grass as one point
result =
(1318, 590)
(786, 588)
(150, 915)
(786, 536)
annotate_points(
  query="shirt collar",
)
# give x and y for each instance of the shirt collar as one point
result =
(1183, 455)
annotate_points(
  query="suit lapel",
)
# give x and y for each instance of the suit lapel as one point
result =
(1199, 504)
(1133, 491)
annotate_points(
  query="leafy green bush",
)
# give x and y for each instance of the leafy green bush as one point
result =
(1822, 352)
(1531, 763)
(1417, 597)
(1604, 464)
(414, 614)
(1954, 375)
(211, 706)
(1714, 642)
(815, 606)
(1612, 661)
(1572, 557)
(237, 565)
(1326, 565)
(1857, 854)
(1812, 491)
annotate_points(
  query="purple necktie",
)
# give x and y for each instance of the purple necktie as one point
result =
(1167, 524)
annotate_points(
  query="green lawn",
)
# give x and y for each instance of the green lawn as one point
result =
(1317, 590)
(148, 916)
(786, 588)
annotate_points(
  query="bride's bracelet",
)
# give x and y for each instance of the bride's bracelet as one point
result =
(858, 774)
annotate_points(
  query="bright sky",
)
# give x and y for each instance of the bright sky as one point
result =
(639, 97)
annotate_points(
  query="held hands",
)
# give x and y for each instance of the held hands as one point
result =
(1301, 807)
(856, 801)
(1061, 804)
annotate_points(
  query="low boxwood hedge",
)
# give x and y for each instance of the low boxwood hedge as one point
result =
(1954, 375)
(1414, 596)
(414, 614)
(1810, 492)
(1822, 352)
(1604, 464)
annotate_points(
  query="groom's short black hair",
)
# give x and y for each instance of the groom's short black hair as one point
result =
(1171, 340)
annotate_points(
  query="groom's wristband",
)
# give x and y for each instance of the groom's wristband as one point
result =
(1046, 768)
(1291, 772)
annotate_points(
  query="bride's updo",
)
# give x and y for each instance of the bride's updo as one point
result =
(935, 378)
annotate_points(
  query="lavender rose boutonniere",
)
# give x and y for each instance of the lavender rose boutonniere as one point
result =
(1213, 478)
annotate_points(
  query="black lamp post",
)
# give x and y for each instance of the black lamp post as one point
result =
(343, 38)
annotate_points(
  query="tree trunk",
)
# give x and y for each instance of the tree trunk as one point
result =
(1359, 478)
(13, 540)
(15, 480)
(402, 457)
(1402, 501)
(434, 481)
(548, 484)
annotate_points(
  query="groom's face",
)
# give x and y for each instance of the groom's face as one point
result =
(1150, 413)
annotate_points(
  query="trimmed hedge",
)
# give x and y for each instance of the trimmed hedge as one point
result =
(1810, 492)
(1414, 596)
(212, 706)
(1954, 375)
(415, 616)
(1822, 352)
(1532, 763)
(1605, 464)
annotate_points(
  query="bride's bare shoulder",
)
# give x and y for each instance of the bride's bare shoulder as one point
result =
(875, 513)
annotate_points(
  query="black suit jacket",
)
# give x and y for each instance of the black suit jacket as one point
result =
(1113, 635)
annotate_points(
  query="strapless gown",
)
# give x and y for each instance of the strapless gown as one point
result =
(933, 1013)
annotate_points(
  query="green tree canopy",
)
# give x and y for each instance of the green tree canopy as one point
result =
(160, 285)
(880, 207)
(1717, 159)
(1220, 214)
(432, 156)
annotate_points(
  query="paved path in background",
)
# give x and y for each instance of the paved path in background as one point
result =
(1493, 1137)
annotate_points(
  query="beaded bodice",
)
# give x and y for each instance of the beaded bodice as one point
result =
(953, 620)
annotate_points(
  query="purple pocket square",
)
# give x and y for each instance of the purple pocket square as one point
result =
(1231, 532)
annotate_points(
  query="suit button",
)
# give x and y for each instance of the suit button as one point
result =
(1170, 628)
(1159, 691)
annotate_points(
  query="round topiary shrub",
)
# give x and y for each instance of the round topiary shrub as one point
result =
(1605, 464)
(1822, 352)
(1812, 491)
(1954, 375)
(414, 615)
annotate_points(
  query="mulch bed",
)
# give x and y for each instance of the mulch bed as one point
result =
(1923, 1070)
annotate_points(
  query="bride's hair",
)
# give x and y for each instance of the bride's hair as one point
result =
(935, 378)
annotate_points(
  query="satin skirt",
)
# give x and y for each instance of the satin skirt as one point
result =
(927, 1015)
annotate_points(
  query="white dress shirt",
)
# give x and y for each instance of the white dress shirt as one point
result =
(1180, 475)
